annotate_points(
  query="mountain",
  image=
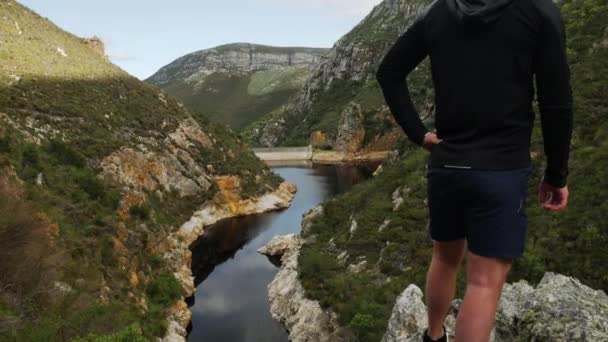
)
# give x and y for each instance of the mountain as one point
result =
(341, 105)
(362, 248)
(237, 83)
(100, 178)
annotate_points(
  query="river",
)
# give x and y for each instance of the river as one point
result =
(231, 299)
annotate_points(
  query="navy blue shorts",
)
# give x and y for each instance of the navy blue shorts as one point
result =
(485, 207)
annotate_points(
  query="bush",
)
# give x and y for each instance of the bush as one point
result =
(65, 155)
(164, 290)
(89, 183)
(141, 212)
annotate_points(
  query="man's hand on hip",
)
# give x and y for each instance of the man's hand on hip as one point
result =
(430, 139)
(552, 198)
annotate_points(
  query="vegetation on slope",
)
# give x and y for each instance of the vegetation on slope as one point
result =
(77, 260)
(229, 95)
(574, 242)
(237, 100)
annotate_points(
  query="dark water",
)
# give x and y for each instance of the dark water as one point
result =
(231, 299)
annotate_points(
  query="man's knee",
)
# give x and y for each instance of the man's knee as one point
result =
(449, 254)
(487, 272)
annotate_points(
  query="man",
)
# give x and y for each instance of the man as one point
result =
(485, 56)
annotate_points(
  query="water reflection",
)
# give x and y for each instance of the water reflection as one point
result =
(230, 303)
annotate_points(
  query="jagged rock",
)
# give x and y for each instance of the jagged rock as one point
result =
(351, 132)
(304, 318)
(560, 308)
(342, 257)
(384, 225)
(309, 216)
(397, 199)
(353, 227)
(408, 319)
(358, 267)
(378, 170)
(96, 44)
(279, 245)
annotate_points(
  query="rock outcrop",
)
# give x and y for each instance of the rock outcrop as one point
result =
(304, 318)
(351, 132)
(279, 245)
(560, 308)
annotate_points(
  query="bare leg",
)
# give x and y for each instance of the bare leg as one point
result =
(485, 279)
(441, 282)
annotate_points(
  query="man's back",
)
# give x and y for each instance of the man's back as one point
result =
(483, 65)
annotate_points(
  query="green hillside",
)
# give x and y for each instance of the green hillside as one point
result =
(393, 238)
(231, 89)
(96, 169)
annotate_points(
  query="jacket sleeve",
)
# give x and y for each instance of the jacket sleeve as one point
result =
(405, 54)
(554, 93)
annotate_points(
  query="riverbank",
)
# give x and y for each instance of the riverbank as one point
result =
(177, 246)
(281, 154)
(329, 157)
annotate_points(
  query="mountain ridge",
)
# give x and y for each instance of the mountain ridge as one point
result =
(236, 83)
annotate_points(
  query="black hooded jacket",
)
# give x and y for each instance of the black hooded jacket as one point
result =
(485, 55)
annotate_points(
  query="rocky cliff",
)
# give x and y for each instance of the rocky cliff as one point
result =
(236, 83)
(98, 172)
(343, 80)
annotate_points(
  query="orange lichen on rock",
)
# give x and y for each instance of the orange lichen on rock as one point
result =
(229, 192)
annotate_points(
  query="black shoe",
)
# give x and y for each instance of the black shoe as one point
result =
(443, 338)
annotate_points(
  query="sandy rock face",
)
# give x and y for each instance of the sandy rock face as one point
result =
(560, 308)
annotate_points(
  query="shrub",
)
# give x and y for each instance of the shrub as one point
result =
(63, 154)
(141, 212)
(89, 183)
(164, 290)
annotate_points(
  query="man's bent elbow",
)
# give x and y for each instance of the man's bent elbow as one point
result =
(382, 75)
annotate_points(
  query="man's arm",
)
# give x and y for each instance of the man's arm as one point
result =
(405, 54)
(554, 93)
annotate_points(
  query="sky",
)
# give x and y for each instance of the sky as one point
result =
(141, 36)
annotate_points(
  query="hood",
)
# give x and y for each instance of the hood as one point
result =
(478, 12)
